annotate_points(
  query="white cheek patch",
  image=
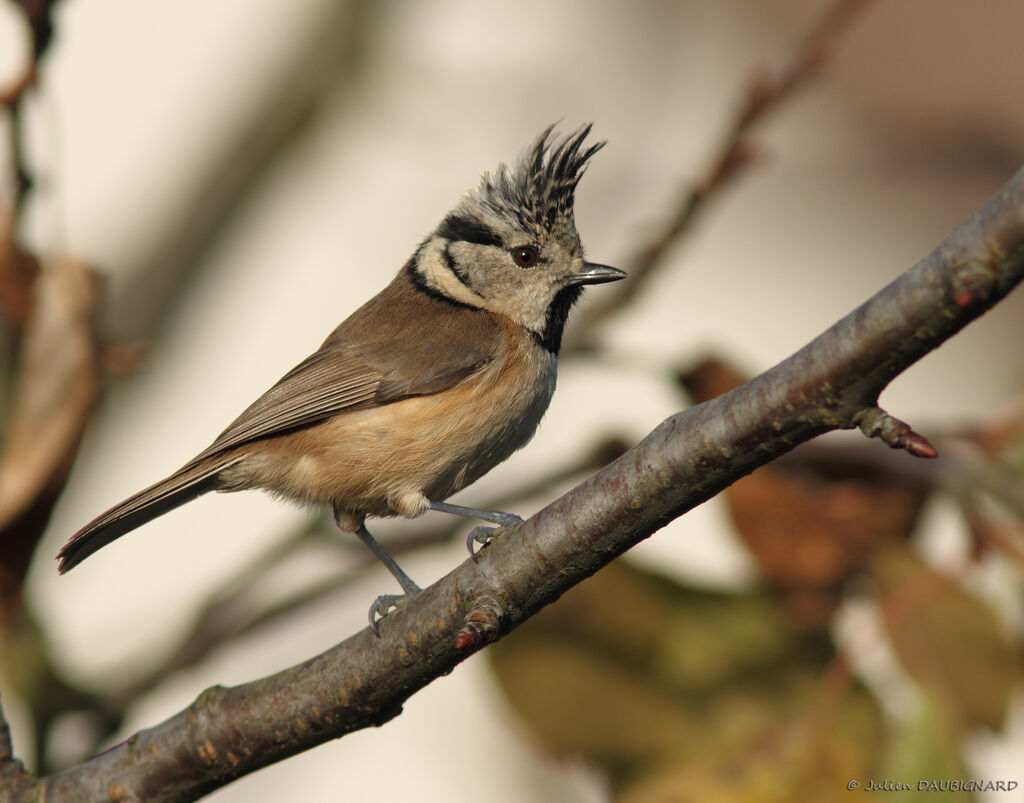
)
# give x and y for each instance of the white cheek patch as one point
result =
(534, 312)
(439, 276)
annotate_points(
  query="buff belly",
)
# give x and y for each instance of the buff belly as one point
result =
(395, 459)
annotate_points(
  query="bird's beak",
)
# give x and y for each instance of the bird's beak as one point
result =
(593, 273)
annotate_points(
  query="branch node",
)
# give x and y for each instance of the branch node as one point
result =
(972, 284)
(877, 423)
(481, 623)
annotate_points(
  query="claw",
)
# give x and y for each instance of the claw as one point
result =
(381, 606)
(479, 535)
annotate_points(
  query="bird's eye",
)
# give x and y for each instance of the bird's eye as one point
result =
(525, 256)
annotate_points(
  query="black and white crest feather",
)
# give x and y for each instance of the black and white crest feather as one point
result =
(539, 189)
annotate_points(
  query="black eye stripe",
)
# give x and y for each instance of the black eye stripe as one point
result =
(459, 229)
(457, 272)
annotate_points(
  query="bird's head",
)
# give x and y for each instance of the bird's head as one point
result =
(511, 246)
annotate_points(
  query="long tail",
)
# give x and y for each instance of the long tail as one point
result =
(183, 486)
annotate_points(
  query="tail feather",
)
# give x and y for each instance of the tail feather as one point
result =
(183, 486)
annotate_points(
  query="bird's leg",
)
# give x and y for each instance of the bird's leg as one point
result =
(384, 603)
(479, 535)
(493, 516)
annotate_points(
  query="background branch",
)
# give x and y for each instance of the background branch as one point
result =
(832, 383)
(734, 152)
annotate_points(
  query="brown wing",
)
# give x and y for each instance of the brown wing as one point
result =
(401, 343)
(404, 342)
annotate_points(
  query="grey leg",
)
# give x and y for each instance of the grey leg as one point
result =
(383, 603)
(493, 516)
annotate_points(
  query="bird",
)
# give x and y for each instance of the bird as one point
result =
(424, 388)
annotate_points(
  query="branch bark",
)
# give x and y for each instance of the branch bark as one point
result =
(831, 383)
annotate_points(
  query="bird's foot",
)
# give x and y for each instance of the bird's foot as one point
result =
(482, 535)
(385, 603)
(479, 535)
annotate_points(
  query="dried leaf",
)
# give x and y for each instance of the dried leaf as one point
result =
(812, 519)
(811, 533)
(56, 389)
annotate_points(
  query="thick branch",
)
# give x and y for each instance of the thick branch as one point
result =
(831, 383)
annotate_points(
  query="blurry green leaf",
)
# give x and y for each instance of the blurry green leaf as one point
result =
(578, 703)
(709, 639)
(949, 641)
(927, 749)
(690, 639)
(808, 757)
(696, 692)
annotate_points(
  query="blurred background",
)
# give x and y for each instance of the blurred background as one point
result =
(207, 189)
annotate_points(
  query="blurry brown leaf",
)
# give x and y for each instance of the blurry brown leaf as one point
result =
(710, 378)
(809, 534)
(56, 388)
(812, 518)
(18, 271)
(950, 642)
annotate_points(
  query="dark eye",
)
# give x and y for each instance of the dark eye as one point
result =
(525, 256)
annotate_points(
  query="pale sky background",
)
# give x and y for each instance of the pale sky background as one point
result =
(914, 125)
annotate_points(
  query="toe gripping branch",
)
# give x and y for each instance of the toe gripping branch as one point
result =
(876, 423)
(482, 535)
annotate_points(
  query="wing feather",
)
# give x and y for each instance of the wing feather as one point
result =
(382, 354)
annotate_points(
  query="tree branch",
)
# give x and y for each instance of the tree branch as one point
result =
(831, 383)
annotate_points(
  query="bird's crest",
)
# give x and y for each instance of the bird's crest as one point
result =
(538, 190)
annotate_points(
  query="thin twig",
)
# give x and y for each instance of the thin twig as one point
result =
(734, 153)
(38, 15)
